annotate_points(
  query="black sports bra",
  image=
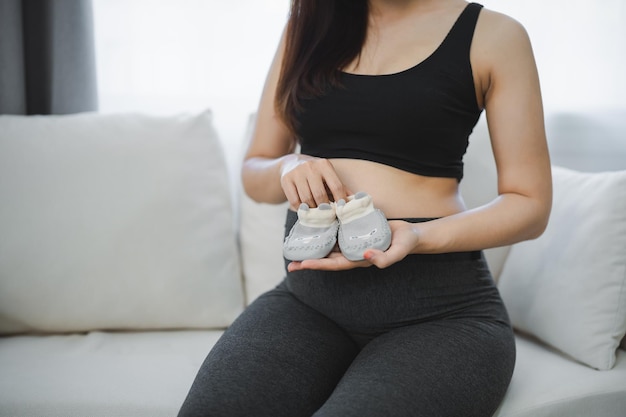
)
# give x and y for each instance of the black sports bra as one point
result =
(417, 120)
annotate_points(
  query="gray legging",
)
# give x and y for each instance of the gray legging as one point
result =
(428, 336)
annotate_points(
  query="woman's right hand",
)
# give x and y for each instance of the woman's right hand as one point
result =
(310, 180)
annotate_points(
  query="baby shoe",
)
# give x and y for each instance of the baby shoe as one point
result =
(361, 226)
(313, 235)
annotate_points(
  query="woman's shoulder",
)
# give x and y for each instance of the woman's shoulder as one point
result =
(499, 37)
(495, 29)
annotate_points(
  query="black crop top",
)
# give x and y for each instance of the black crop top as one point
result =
(417, 120)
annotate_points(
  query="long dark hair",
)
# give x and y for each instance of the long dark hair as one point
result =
(322, 37)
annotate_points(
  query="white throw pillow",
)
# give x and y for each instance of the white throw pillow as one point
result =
(568, 287)
(261, 239)
(115, 222)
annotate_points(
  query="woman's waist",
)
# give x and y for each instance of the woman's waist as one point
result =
(400, 194)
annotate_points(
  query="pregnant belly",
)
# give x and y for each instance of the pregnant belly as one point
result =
(399, 193)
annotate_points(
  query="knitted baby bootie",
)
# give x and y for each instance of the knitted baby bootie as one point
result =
(361, 226)
(313, 235)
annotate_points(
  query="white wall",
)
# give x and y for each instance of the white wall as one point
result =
(169, 56)
(580, 48)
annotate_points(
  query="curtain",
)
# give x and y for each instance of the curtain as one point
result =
(47, 57)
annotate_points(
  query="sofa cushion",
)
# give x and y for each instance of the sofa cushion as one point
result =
(119, 221)
(261, 239)
(568, 287)
(149, 374)
(100, 374)
(547, 384)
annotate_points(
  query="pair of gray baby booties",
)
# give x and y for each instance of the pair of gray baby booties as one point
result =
(355, 225)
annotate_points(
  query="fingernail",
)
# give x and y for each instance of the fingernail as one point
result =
(368, 255)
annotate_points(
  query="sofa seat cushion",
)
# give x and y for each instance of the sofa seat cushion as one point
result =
(545, 383)
(149, 374)
(100, 374)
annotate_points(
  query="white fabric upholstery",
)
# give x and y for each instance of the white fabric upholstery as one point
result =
(149, 373)
(100, 374)
(547, 384)
(568, 287)
(115, 222)
(81, 375)
(261, 239)
(590, 141)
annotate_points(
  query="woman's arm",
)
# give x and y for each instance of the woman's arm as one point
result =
(272, 172)
(512, 100)
(503, 59)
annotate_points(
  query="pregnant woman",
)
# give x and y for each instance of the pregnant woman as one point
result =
(372, 102)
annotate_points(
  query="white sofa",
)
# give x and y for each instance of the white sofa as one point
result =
(126, 248)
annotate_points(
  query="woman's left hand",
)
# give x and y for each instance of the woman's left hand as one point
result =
(404, 238)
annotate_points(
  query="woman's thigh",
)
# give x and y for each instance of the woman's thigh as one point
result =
(449, 368)
(279, 358)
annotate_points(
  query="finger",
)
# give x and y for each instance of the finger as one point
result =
(294, 266)
(382, 259)
(318, 190)
(304, 193)
(334, 262)
(291, 192)
(336, 189)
